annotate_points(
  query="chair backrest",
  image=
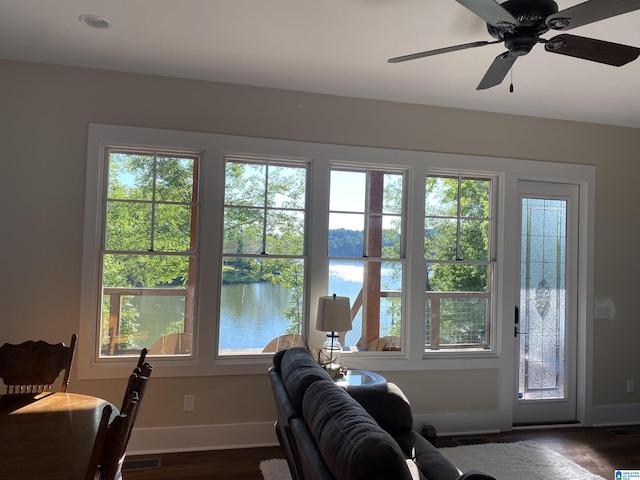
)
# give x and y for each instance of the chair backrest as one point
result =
(31, 367)
(98, 445)
(116, 440)
(119, 430)
(137, 381)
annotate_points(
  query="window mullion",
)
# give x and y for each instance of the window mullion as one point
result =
(266, 209)
(152, 228)
(458, 220)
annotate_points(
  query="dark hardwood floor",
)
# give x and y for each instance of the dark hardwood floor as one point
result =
(599, 450)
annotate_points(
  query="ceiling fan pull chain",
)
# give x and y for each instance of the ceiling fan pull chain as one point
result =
(511, 86)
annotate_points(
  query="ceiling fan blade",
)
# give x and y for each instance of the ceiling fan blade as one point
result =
(591, 49)
(438, 51)
(497, 71)
(589, 12)
(491, 12)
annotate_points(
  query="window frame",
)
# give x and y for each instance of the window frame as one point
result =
(322, 156)
(490, 262)
(368, 259)
(264, 254)
(154, 203)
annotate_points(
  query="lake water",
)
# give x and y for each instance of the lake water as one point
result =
(247, 320)
(251, 314)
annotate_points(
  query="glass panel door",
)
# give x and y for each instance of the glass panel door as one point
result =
(546, 323)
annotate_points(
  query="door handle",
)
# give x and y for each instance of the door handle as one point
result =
(516, 320)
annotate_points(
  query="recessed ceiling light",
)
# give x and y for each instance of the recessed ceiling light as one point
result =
(93, 21)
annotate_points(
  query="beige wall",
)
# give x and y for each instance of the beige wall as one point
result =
(44, 114)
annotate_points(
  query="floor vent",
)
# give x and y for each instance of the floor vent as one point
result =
(141, 464)
(624, 432)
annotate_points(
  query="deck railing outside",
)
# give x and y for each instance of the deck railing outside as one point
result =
(433, 337)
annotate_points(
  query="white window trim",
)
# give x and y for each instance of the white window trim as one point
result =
(417, 164)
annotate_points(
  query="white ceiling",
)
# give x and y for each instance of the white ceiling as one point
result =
(337, 47)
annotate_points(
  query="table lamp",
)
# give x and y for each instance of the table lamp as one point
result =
(334, 315)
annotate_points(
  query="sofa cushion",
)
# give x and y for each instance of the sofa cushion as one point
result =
(277, 359)
(299, 370)
(352, 444)
(386, 404)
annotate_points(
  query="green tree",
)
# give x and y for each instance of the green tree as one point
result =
(264, 227)
(149, 231)
(457, 243)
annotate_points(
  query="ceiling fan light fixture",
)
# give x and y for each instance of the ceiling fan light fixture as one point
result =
(94, 21)
(521, 45)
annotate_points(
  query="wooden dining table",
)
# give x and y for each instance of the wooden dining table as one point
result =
(48, 435)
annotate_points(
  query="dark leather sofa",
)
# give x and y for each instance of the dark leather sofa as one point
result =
(365, 432)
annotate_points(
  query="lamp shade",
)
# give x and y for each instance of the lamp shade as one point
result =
(334, 314)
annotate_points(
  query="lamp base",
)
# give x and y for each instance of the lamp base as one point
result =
(335, 370)
(329, 357)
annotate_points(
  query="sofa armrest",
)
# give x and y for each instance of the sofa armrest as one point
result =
(476, 475)
(429, 460)
(431, 463)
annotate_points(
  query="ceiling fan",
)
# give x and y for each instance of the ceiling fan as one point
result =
(520, 23)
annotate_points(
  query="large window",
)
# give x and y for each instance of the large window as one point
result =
(149, 253)
(263, 255)
(458, 236)
(366, 219)
(212, 251)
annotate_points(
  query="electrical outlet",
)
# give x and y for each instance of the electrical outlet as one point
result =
(602, 312)
(189, 404)
(631, 386)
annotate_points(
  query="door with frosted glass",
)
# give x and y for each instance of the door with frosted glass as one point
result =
(545, 321)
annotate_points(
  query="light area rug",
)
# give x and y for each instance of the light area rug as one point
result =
(517, 461)
(505, 461)
(275, 469)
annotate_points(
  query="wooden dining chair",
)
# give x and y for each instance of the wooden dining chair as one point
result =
(116, 439)
(119, 430)
(33, 366)
(138, 380)
(98, 444)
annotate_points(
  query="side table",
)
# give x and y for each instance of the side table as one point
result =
(356, 377)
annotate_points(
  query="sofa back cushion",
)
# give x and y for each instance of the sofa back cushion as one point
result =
(352, 444)
(299, 370)
(277, 359)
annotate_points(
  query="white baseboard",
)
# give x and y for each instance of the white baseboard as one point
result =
(146, 441)
(608, 415)
(460, 423)
(193, 438)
